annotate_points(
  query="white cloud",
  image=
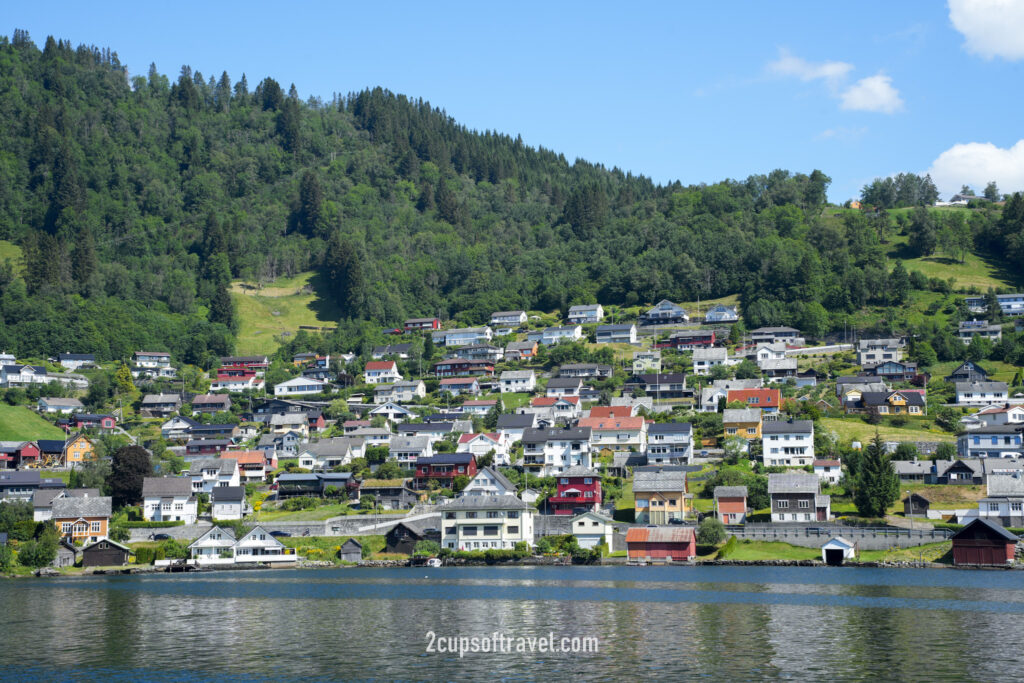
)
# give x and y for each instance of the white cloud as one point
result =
(787, 64)
(992, 28)
(874, 93)
(977, 163)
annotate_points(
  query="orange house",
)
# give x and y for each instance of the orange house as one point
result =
(78, 450)
(82, 519)
(731, 504)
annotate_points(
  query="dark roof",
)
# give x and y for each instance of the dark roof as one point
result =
(506, 502)
(877, 398)
(227, 494)
(787, 427)
(614, 328)
(515, 421)
(77, 356)
(446, 459)
(544, 435)
(663, 378)
(427, 427)
(565, 382)
(51, 445)
(166, 486)
(670, 428)
(986, 528)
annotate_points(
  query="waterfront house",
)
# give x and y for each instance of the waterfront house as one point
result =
(260, 546)
(213, 547)
(106, 552)
(592, 529)
(403, 537)
(228, 502)
(836, 550)
(483, 522)
(67, 554)
(1004, 499)
(83, 519)
(660, 495)
(983, 542)
(796, 498)
(731, 504)
(657, 545)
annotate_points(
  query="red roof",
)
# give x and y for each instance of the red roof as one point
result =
(542, 401)
(612, 423)
(459, 380)
(611, 411)
(245, 457)
(660, 534)
(827, 463)
(488, 402)
(466, 438)
(767, 398)
(380, 365)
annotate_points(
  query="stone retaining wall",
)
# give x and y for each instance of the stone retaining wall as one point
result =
(866, 538)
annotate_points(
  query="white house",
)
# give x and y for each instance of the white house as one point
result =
(489, 482)
(705, 359)
(406, 450)
(514, 426)
(591, 529)
(178, 427)
(152, 360)
(23, 375)
(482, 522)
(219, 546)
(664, 312)
(228, 502)
(829, 471)
(646, 361)
(617, 433)
(326, 454)
(483, 443)
(460, 385)
(787, 444)
(74, 361)
(401, 392)
(381, 372)
(546, 452)
(556, 335)
(236, 384)
(392, 412)
(980, 393)
(875, 351)
(616, 334)
(669, 443)
(63, 406)
(563, 386)
(210, 473)
(721, 314)
(468, 335)
(991, 441)
(773, 351)
(508, 318)
(168, 499)
(513, 381)
(586, 313)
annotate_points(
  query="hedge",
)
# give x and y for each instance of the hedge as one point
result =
(150, 525)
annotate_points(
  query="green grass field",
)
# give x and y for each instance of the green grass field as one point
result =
(854, 429)
(320, 513)
(277, 308)
(749, 551)
(326, 547)
(12, 252)
(18, 423)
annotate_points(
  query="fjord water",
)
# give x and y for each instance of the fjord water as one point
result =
(672, 623)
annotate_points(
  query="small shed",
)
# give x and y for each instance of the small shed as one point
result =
(916, 504)
(983, 541)
(660, 544)
(351, 551)
(105, 553)
(837, 550)
(67, 554)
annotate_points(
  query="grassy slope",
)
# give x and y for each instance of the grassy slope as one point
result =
(12, 252)
(858, 430)
(257, 308)
(18, 423)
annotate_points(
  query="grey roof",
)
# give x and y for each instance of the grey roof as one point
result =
(670, 428)
(166, 486)
(505, 502)
(545, 435)
(1001, 466)
(579, 471)
(869, 343)
(726, 384)
(765, 330)
(369, 431)
(981, 386)
(409, 443)
(288, 419)
(1005, 485)
(66, 402)
(204, 399)
(223, 466)
(509, 421)
(778, 364)
(520, 346)
(43, 498)
(658, 479)
(502, 480)
(992, 526)
(1015, 428)
(911, 467)
(338, 445)
(710, 354)
(787, 427)
(99, 506)
(565, 382)
(730, 492)
(583, 307)
(227, 494)
(504, 314)
(973, 464)
(159, 399)
(517, 374)
(793, 483)
(615, 328)
(877, 398)
(741, 415)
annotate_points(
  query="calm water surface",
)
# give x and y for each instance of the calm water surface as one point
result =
(669, 623)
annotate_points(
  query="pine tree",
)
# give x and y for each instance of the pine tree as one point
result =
(123, 378)
(491, 419)
(311, 199)
(222, 309)
(84, 260)
(878, 486)
(345, 275)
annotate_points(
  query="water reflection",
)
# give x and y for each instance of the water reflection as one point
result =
(669, 623)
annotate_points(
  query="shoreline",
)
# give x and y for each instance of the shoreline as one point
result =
(529, 562)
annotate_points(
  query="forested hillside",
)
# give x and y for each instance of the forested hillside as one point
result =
(136, 200)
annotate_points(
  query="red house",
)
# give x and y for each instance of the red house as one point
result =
(256, 363)
(660, 544)
(578, 487)
(689, 339)
(316, 420)
(18, 453)
(212, 447)
(983, 542)
(81, 421)
(235, 372)
(461, 367)
(416, 324)
(443, 468)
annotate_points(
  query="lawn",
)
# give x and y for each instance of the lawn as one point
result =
(326, 547)
(316, 514)
(18, 423)
(942, 497)
(998, 370)
(931, 552)
(749, 551)
(855, 429)
(279, 307)
(511, 401)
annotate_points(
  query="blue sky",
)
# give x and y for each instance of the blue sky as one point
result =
(682, 91)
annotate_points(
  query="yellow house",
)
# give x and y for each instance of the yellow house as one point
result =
(894, 402)
(660, 496)
(742, 422)
(79, 450)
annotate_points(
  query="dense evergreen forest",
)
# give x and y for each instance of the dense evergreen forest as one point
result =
(136, 199)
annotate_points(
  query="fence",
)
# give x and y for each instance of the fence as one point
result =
(867, 538)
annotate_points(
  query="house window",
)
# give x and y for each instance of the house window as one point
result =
(178, 507)
(96, 527)
(449, 531)
(471, 515)
(671, 501)
(513, 530)
(807, 517)
(803, 504)
(782, 504)
(65, 527)
(1016, 507)
(490, 531)
(449, 515)
(469, 531)
(513, 515)
(491, 514)
(993, 507)
(751, 430)
(588, 481)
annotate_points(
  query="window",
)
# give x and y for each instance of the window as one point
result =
(492, 514)
(1016, 507)
(993, 507)
(469, 531)
(782, 504)
(513, 530)
(807, 517)
(65, 527)
(471, 515)
(563, 481)
(179, 507)
(449, 515)
(490, 531)
(671, 501)
(751, 430)
(96, 527)
(449, 531)
(803, 504)
(513, 515)
(588, 481)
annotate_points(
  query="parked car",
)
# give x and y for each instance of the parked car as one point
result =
(160, 537)
(279, 534)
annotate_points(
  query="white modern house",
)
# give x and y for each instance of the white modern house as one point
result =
(980, 393)
(546, 452)
(489, 482)
(513, 381)
(705, 359)
(787, 444)
(586, 313)
(556, 335)
(381, 372)
(669, 443)
(406, 450)
(228, 502)
(616, 334)
(298, 386)
(219, 546)
(875, 351)
(464, 336)
(481, 522)
(508, 319)
(210, 473)
(64, 406)
(326, 454)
